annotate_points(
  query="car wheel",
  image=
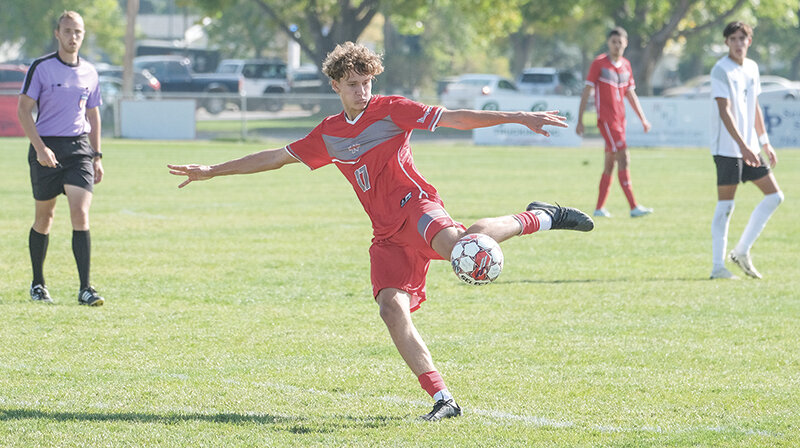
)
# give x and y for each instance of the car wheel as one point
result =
(491, 106)
(215, 106)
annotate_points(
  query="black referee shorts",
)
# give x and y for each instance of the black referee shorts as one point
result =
(76, 167)
(733, 170)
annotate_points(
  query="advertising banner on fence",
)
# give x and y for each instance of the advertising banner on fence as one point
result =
(9, 124)
(676, 122)
(516, 134)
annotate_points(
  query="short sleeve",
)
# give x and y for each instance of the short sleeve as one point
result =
(311, 149)
(632, 82)
(757, 79)
(95, 99)
(594, 73)
(32, 86)
(409, 115)
(719, 83)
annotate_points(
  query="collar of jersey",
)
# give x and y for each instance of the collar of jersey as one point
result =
(66, 63)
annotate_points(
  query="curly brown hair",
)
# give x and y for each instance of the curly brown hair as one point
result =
(349, 57)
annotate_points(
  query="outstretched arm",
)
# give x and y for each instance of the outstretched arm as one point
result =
(633, 98)
(269, 159)
(466, 119)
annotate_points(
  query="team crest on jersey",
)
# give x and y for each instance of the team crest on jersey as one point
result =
(354, 148)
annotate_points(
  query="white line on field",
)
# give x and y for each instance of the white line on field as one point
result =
(525, 419)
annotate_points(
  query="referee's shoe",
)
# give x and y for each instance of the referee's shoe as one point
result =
(89, 296)
(39, 293)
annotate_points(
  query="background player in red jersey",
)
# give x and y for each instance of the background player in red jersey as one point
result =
(611, 77)
(369, 143)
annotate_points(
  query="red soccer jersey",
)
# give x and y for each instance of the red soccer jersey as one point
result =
(374, 154)
(610, 83)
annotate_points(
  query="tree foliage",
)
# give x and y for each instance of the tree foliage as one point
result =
(32, 22)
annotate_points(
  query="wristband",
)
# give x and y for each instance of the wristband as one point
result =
(763, 139)
(98, 155)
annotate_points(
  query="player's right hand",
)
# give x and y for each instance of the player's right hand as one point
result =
(579, 128)
(749, 157)
(46, 157)
(193, 172)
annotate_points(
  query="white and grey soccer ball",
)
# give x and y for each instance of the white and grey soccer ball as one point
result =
(477, 259)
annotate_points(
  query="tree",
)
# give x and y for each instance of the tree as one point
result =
(539, 19)
(651, 24)
(32, 22)
(241, 31)
(316, 25)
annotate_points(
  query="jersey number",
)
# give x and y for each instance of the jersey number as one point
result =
(362, 177)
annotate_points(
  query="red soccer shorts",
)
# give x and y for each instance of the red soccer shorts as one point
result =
(401, 261)
(614, 135)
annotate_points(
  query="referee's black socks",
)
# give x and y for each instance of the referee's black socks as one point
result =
(37, 245)
(82, 249)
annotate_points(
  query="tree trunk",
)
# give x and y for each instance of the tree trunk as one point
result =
(521, 47)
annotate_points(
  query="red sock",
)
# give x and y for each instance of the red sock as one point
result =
(529, 222)
(627, 187)
(432, 382)
(605, 187)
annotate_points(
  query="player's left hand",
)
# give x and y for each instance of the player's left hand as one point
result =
(193, 172)
(98, 171)
(773, 156)
(536, 120)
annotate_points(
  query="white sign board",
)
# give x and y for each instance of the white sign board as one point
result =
(516, 134)
(676, 122)
(157, 119)
(783, 123)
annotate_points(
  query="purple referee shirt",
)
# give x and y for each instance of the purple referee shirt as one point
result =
(62, 92)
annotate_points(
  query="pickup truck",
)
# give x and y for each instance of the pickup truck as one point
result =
(176, 76)
(265, 80)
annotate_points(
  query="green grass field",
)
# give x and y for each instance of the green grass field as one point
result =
(239, 311)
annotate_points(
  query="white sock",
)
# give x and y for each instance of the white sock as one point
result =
(545, 221)
(719, 232)
(443, 394)
(758, 219)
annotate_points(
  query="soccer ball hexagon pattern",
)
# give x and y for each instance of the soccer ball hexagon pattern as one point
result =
(477, 259)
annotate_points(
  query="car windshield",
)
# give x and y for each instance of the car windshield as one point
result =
(538, 78)
(227, 68)
(474, 82)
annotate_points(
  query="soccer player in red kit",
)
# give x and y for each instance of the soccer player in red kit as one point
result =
(611, 78)
(369, 143)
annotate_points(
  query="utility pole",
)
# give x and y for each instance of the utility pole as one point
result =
(130, 48)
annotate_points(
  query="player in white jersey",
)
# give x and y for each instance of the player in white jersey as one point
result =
(738, 143)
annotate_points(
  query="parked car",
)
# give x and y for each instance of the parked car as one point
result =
(697, 87)
(261, 77)
(12, 76)
(312, 91)
(176, 76)
(462, 93)
(549, 81)
(772, 87)
(143, 81)
(779, 88)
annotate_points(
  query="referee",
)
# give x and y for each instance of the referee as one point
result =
(64, 154)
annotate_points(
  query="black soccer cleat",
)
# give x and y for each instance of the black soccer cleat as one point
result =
(442, 409)
(39, 293)
(89, 296)
(567, 218)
